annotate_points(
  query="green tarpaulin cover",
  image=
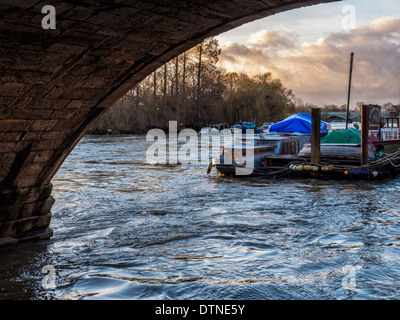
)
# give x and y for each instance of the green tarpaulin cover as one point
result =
(343, 136)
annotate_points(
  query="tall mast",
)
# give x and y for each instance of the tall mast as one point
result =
(348, 95)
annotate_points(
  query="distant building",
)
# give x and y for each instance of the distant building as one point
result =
(355, 116)
(394, 111)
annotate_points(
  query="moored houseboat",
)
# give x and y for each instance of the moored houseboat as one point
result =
(247, 153)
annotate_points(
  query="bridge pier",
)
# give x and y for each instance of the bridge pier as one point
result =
(25, 215)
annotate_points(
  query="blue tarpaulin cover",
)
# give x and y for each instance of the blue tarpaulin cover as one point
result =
(299, 122)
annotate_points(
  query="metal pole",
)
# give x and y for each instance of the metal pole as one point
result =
(315, 135)
(348, 95)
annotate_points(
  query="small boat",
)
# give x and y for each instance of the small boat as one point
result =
(220, 128)
(265, 127)
(208, 130)
(245, 125)
(248, 154)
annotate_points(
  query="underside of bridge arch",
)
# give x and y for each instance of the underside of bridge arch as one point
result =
(56, 82)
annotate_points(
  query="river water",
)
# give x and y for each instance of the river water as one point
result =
(126, 229)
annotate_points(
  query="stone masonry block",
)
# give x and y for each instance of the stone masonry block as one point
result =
(43, 125)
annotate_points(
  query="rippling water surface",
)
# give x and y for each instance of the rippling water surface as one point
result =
(125, 229)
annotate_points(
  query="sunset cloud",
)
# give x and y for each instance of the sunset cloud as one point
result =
(273, 39)
(318, 72)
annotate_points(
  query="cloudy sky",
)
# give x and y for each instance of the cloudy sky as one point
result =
(309, 50)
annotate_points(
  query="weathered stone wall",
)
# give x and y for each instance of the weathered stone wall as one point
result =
(55, 83)
(26, 213)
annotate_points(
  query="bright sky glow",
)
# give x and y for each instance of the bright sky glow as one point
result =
(309, 50)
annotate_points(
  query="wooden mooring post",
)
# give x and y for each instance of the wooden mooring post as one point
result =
(364, 134)
(315, 135)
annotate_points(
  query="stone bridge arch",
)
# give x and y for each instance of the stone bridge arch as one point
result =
(55, 83)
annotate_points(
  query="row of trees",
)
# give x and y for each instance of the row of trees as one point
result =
(193, 90)
(388, 106)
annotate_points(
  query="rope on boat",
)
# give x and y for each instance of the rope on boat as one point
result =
(270, 172)
(398, 166)
(382, 161)
(363, 169)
